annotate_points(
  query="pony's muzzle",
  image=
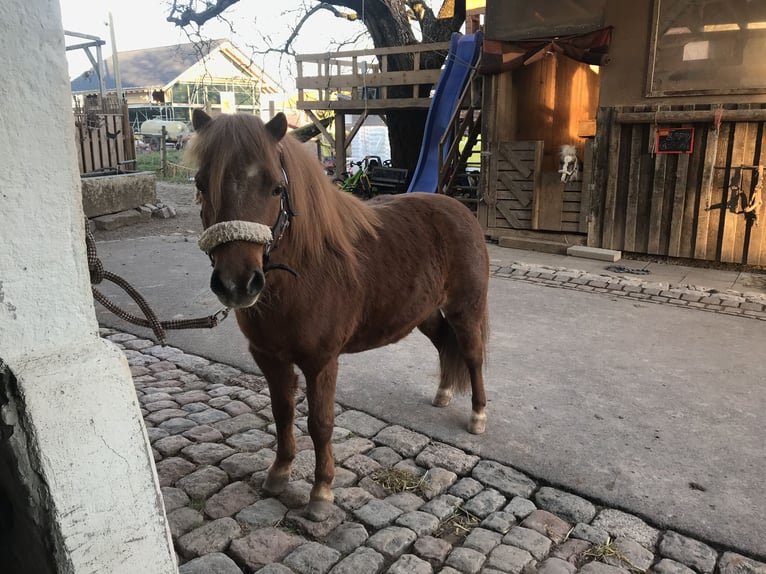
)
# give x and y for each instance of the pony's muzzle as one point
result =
(237, 293)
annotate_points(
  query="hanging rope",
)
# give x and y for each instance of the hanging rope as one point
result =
(150, 320)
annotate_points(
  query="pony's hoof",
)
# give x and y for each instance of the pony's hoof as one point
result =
(442, 398)
(275, 485)
(478, 423)
(318, 510)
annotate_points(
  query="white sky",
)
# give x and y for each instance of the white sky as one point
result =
(142, 24)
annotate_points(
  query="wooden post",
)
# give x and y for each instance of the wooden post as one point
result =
(163, 152)
(340, 144)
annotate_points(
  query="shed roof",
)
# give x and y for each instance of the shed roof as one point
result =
(161, 67)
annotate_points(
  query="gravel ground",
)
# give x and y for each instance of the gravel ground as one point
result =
(179, 196)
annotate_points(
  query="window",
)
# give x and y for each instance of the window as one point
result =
(707, 47)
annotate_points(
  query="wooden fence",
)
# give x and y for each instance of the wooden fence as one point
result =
(103, 136)
(688, 205)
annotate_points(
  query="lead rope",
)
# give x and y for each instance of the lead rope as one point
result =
(98, 274)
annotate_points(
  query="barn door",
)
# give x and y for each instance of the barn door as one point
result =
(514, 168)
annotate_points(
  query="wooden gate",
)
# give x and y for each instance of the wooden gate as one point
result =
(103, 136)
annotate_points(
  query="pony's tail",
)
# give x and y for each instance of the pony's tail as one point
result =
(454, 370)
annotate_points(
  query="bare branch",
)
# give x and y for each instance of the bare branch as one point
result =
(185, 15)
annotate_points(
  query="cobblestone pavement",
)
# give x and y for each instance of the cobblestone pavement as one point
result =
(404, 503)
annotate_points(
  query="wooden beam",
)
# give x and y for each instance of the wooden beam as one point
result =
(686, 116)
(320, 126)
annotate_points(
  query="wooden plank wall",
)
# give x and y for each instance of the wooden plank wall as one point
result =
(512, 168)
(104, 141)
(675, 204)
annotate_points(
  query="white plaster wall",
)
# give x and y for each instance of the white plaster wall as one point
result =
(75, 404)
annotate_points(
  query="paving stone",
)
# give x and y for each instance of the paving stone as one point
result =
(207, 452)
(203, 482)
(361, 465)
(312, 558)
(252, 440)
(161, 366)
(590, 533)
(432, 550)
(347, 448)
(410, 564)
(239, 423)
(360, 423)
(533, 542)
(485, 503)
(547, 524)
(170, 375)
(195, 396)
(219, 402)
(392, 541)
(155, 434)
(170, 470)
(688, 552)
(385, 456)
(571, 550)
(163, 415)
(183, 520)
(361, 561)
(195, 407)
(243, 464)
(230, 500)
(216, 372)
(351, 498)
(668, 566)
(407, 501)
(449, 570)
(482, 540)
(236, 408)
(203, 433)
(555, 566)
(436, 481)
(466, 560)
(499, 521)
(442, 455)
(373, 487)
(377, 514)
(509, 559)
(421, 523)
(733, 563)
(503, 478)
(601, 568)
(569, 507)
(296, 494)
(466, 488)
(317, 530)
(171, 445)
(404, 441)
(408, 465)
(160, 405)
(215, 563)
(618, 523)
(178, 425)
(173, 498)
(257, 402)
(275, 568)
(303, 465)
(208, 417)
(263, 513)
(263, 546)
(211, 537)
(442, 506)
(630, 555)
(347, 537)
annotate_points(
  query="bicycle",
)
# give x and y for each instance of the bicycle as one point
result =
(358, 182)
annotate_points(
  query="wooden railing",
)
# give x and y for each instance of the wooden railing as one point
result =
(362, 79)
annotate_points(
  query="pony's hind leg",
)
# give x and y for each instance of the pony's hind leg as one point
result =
(441, 335)
(320, 391)
(282, 382)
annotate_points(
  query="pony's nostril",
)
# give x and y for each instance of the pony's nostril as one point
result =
(216, 284)
(256, 283)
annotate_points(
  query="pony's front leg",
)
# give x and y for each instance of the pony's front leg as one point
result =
(282, 385)
(320, 391)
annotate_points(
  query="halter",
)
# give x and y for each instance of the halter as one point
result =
(238, 230)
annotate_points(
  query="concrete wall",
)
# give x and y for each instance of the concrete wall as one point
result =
(68, 412)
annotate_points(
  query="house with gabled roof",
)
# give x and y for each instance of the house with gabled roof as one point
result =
(169, 81)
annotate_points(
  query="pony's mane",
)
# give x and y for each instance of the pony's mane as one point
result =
(329, 222)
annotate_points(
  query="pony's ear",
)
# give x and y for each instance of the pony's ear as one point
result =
(200, 119)
(277, 126)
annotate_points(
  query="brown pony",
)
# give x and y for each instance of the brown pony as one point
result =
(343, 276)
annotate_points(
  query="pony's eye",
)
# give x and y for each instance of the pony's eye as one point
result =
(200, 183)
(279, 190)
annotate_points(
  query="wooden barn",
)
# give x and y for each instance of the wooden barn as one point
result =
(664, 102)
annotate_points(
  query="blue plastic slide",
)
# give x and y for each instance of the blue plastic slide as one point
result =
(463, 54)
